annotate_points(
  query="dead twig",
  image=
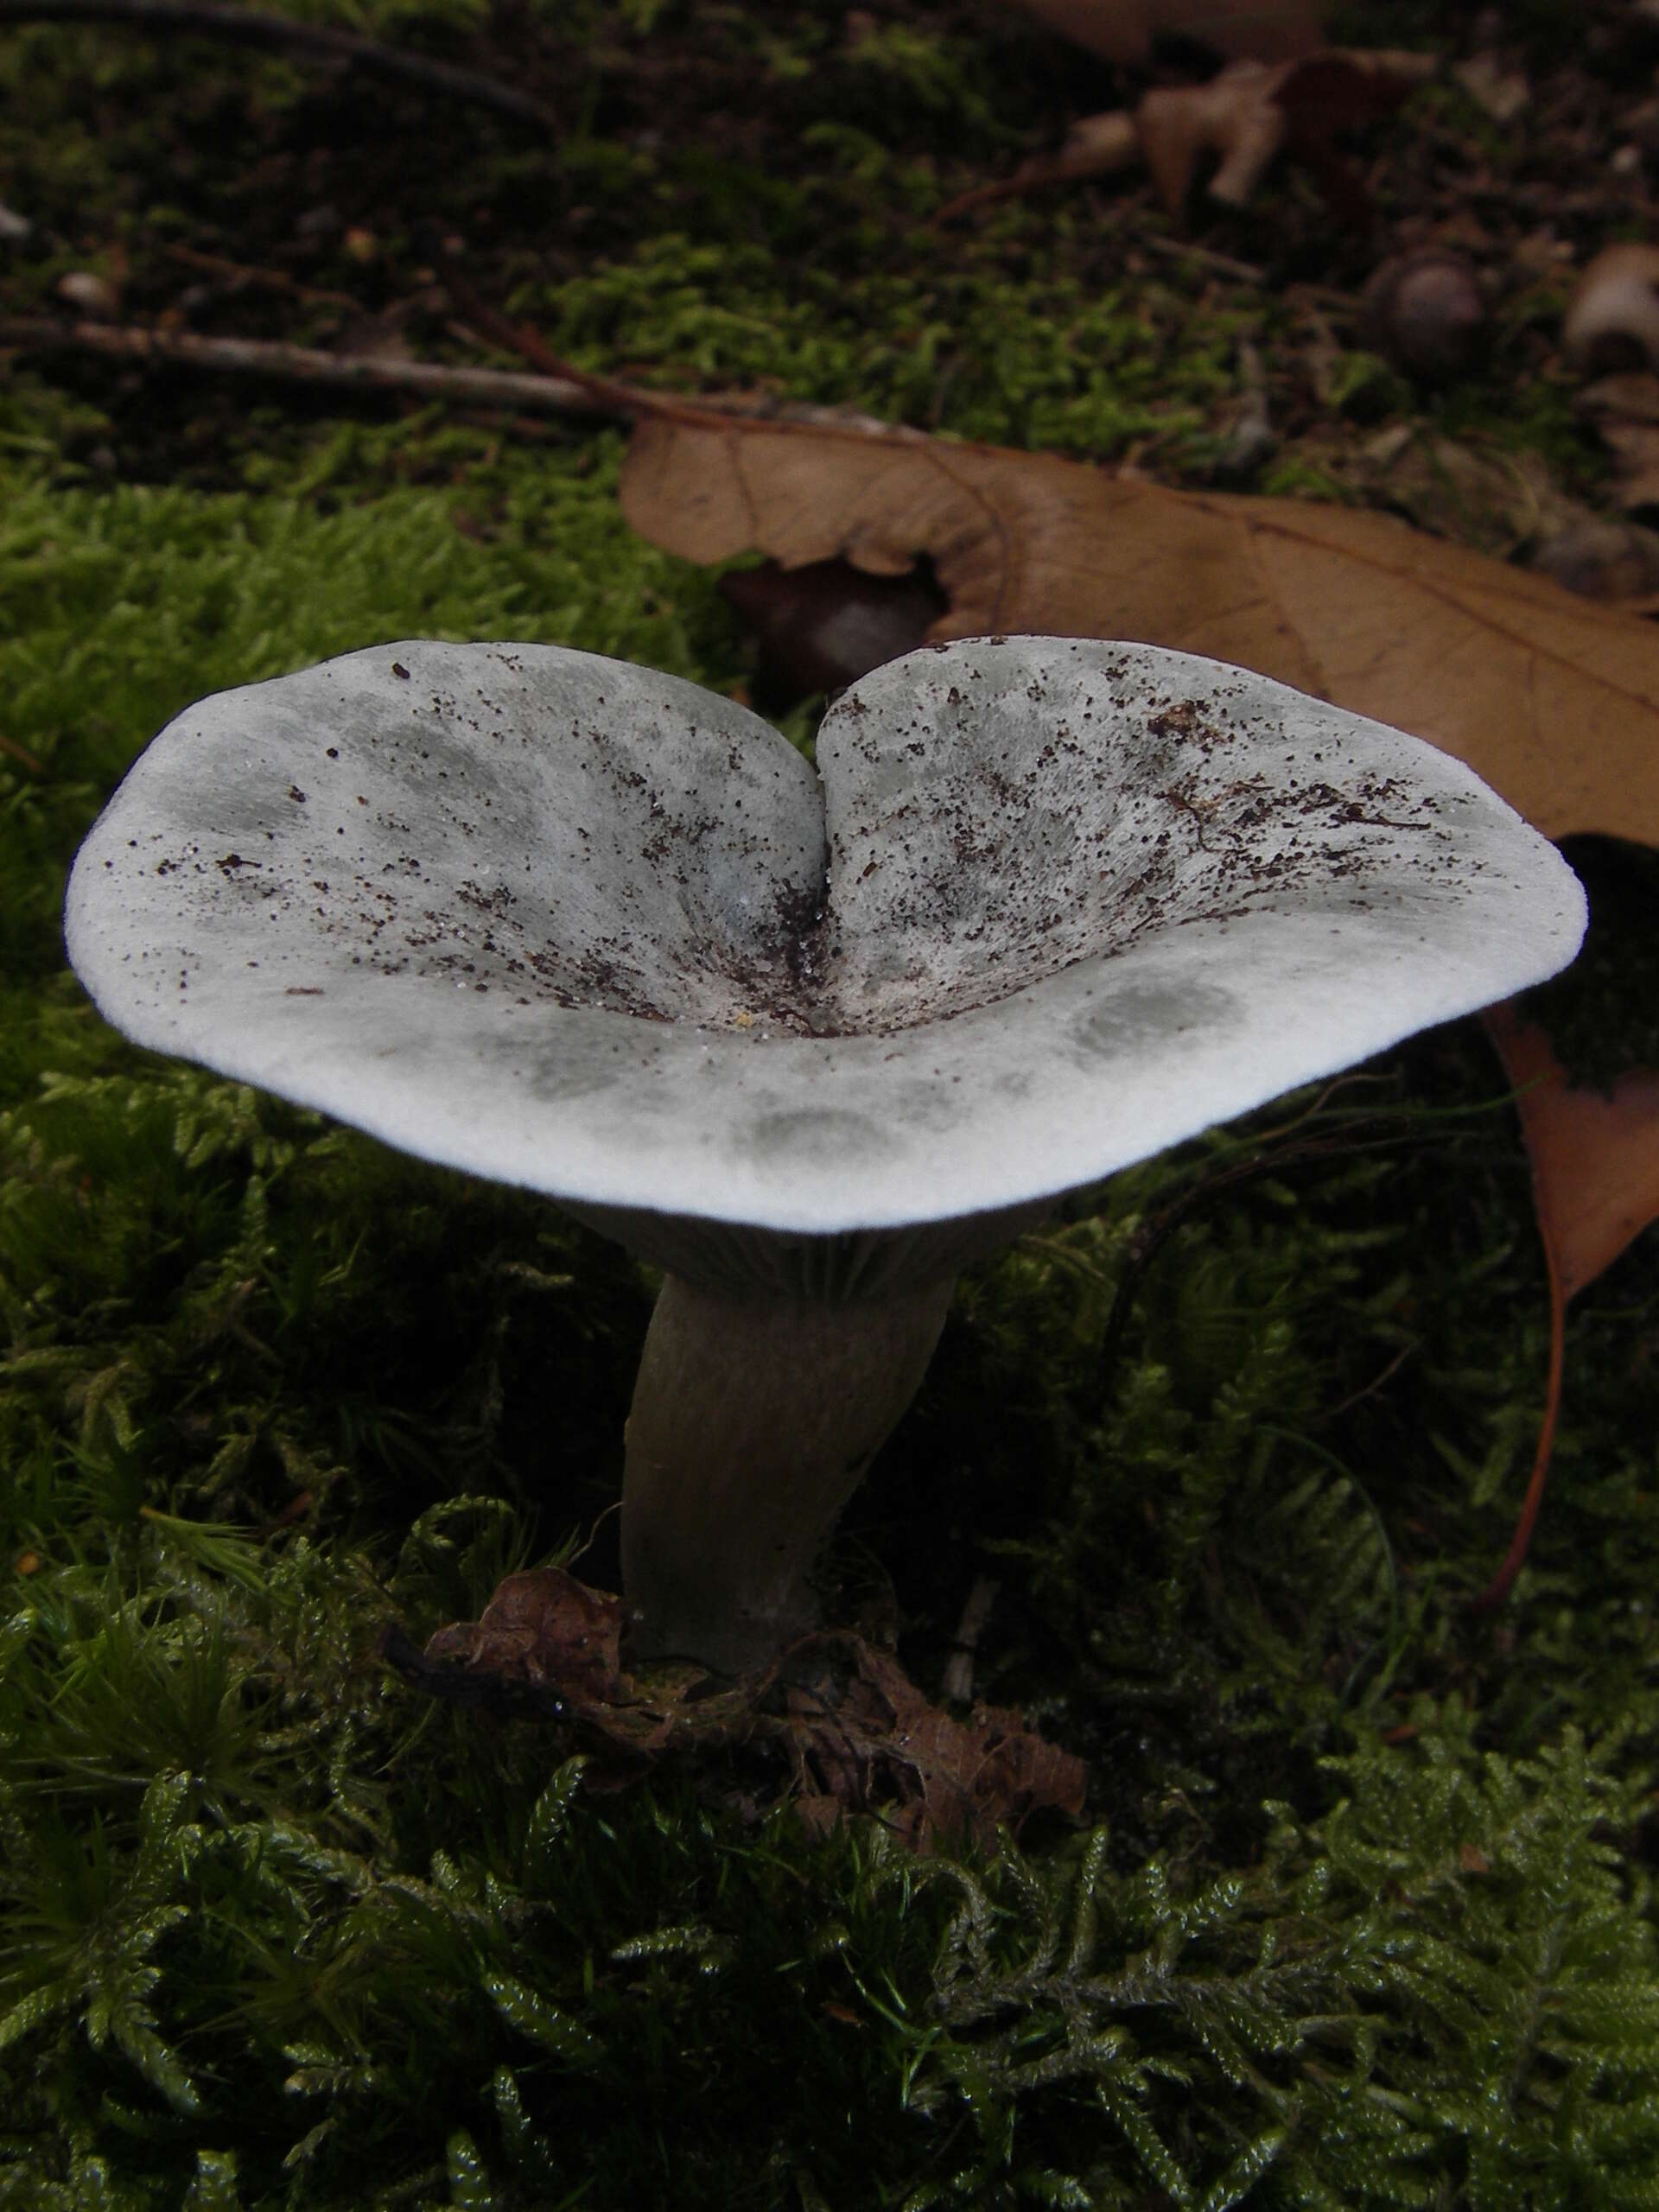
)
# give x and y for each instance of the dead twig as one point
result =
(20, 753)
(246, 27)
(240, 274)
(303, 364)
(1202, 257)
(518, 338)
(569, 390)
(632, 401)
(1031, 177)
(1366, 1390)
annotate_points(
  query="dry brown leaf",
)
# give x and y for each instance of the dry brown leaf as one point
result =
(547, 1642)
(1245, 116)
(1501, 90)
(1594, 1154)
(543, 1629)
(1250, 112)
(1124, 31)
(1625, 411)
(1552, 699)
(856, 1734)
(1234, 116)
(1477, 492)
(1096, 145)
(1595, 1184)
(863, 1737)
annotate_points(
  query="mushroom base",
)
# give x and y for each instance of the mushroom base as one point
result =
(752, 1425)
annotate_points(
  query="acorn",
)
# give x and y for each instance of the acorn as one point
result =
(1424, 314)
(90, 295)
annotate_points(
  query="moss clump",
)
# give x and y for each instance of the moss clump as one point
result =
(1362, 1915)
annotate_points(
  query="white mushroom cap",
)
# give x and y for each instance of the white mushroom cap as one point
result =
(565, 923)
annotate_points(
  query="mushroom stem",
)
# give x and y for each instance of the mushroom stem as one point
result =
(753, 1423)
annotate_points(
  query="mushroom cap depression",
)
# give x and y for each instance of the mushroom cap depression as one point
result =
(1048, 907)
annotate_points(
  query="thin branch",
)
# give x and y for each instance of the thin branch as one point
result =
(1030, 177)
(301, 365)
(275, 279)
(20, 753)
(247, 27)
(1202, 257)
(630, 400)
(575, 392)
(518, 338)
(1366, 1390)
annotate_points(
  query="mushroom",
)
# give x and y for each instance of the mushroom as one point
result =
(810, 1042)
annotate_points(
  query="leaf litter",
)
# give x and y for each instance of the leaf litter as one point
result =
(850, 1731)
(1594, 1156)
(1554, 701)
(1238, 124)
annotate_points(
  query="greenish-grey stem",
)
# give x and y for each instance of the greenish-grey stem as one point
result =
(753, 1423)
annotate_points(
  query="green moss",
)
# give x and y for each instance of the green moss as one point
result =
(1362, 1915)
(118, 608)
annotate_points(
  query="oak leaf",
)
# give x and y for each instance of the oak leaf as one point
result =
(1252, 111)
(1594, 1154)
(1595, 1183)
(1554, 700)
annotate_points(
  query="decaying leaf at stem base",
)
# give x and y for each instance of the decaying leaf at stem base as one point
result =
(1554, 700)
(1595, 1181)
(863, 1738)
(1126, 31)
(1251, 112)
(854, 1732)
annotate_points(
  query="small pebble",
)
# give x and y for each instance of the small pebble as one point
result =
(90, 293)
